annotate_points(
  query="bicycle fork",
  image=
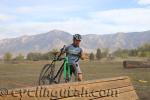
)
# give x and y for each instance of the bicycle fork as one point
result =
(66, 70)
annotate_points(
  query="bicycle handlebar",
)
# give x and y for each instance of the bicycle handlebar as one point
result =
(57, 58)
(61, 52)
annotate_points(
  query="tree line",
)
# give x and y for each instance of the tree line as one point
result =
(142, 51)
(32, 56)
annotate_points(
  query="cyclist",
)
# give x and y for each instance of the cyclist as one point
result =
(74, 53)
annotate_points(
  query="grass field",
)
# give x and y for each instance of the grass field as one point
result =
(26, 74)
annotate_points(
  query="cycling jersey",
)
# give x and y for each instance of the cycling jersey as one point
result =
(73, 53)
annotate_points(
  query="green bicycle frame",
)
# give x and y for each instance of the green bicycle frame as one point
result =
(66, 68)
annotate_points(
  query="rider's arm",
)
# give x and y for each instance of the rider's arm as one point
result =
(82, 58)
(81, 55)
(62, 51)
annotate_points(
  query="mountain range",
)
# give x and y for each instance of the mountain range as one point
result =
(55, 39)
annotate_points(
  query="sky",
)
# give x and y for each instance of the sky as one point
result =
(29, 17)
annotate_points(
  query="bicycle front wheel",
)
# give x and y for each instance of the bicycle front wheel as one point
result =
(47, 75)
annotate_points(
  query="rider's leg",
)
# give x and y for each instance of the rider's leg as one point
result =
(72, 71)
(79, 72)
(75, 68)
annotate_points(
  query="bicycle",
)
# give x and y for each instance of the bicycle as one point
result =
(48, 75)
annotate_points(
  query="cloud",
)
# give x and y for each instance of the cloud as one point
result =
(99, 22)
(4, 17)
(135, 19)
(144, 2)
(47, 9)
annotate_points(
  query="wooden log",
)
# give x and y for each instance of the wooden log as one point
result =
(136, 64)
(118, 88)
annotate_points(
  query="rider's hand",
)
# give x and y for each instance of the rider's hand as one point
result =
(84, 57)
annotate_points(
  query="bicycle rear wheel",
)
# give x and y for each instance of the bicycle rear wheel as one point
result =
(47, 75)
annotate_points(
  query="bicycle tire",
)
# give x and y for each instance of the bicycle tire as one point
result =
(46, 75)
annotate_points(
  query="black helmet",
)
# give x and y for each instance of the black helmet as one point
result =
(77, 37)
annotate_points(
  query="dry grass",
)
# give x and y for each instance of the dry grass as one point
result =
(26, 74)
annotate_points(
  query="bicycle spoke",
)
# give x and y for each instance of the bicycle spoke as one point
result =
(46, 75)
